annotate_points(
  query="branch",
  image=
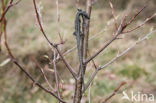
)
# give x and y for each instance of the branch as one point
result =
(34, 81)
(56, 75)
(132, 19)
(91, 38)
(115, 58)
(119, 31)
(128, 49)
(115, 92)
(90, 80)
(148, 19)
(58, 23)
(22, 69)
(52, 44)
(7, 8)
(43, 74)
(113, 13)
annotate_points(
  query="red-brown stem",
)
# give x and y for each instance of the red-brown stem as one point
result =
(7, 8)
(52, 44)
(22, 69)
(95, 66)
(43, 74)
(119, 31)
(148, 19)
(115, 92)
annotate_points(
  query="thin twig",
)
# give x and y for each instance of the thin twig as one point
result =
(90, 80)
(56, 75)
(91, 38)
(119, 31)
(43, 74)
(115, 58)
(36, 83)
(115, 92)
(58, 22)
(52, 44)
(95, 66)
(113, 13)
(132, 19)
(23, 70)
(5, 39)
(7, 8)
(89, 93)
(128, 49)
(148, 19)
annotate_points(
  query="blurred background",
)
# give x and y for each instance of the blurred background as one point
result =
(137, 67)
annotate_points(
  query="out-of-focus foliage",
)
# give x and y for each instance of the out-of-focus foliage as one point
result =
(132, 71)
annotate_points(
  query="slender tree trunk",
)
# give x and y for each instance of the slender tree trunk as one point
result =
(80, 81)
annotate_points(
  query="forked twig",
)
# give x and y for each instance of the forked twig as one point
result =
(23, 70)
(120, 31)
(148, 19)
(52, 44)
(7, 8)
(115, 58)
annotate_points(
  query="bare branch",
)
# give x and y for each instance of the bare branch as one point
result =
(148, 19)
(115, 92)
(7, 8)
(113, 13)
(35, 82)
(136, 15)
(58, 22)
(56, 75)
(95, 66)
(52, 44)
(90, 80)
(43, 74)
(91, 38)
(119, 31)
(40, 24)
(128, 49)
(23, 70)
(115, 58)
